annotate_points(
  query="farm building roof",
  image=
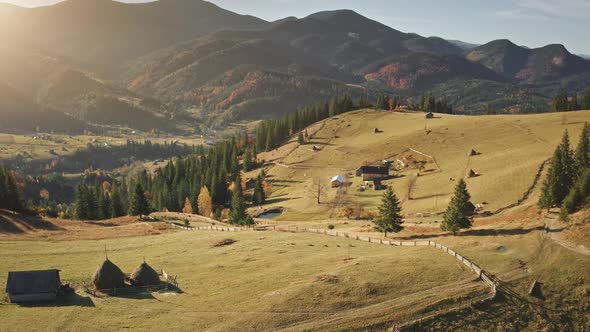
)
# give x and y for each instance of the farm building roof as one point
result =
(373, 170)
(338, 178)
(33, 282)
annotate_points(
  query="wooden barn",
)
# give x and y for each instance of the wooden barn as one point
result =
(33, 286)
(371, 173)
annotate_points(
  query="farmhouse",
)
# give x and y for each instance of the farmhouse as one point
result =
(33, 286)
(371, 173)
(337, 181)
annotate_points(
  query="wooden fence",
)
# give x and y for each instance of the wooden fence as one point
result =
(486, 277)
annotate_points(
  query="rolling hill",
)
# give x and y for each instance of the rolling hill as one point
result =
(512, 148)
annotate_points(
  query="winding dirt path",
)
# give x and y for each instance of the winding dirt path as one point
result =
(553, 229)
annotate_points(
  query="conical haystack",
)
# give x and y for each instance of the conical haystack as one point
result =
(145, 275)
(471, 174)
(473, 153)
(108, 276)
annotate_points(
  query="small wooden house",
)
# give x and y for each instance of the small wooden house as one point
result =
(370, 173)
(337, 181)
(33, 286)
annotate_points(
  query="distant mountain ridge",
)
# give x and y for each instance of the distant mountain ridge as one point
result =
(172, 61)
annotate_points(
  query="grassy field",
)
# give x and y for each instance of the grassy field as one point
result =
(46, 146)
(512, 148)
(266, 280)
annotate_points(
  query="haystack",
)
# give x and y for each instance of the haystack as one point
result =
(145, 275)
(473, 153)
(471, 174)
(108, 276)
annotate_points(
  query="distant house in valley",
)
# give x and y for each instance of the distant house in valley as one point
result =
(33, 286)
(337, 181)
(371, 173)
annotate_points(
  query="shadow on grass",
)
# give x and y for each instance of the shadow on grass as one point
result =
(279, 200)
(9, 223)
(70, 300)
(479, 232)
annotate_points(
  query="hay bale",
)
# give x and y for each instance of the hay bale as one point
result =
(145, 275)
(108, 276)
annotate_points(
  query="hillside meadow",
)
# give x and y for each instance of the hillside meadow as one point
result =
(511, 150)
(266, 280)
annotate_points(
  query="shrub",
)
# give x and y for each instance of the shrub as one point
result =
(330, 226)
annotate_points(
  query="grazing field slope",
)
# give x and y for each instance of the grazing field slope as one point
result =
(264, 281)
(511, 151)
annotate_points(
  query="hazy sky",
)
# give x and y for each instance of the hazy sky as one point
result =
(528, 22)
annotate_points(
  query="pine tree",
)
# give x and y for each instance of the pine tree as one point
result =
(460, 210)
(138, 205)
(582, 154)
(205, 203)
(259, 196)
(117, 209)
(81, 204)
(238, 214)
(390, 218)
(586, 100)
(10, 194)
(574, 106)
(560, 176)
(334, 107)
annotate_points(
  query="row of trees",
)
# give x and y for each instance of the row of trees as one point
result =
(459, 213)
(11, 197)
(272, 133)
(567, 185)
(204, 183)
(564, 102)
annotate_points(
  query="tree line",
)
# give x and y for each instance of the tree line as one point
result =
(272, 133)
(567, 184)
(564, 102)
(11, 197)
(205, 183)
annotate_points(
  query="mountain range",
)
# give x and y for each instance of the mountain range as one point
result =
(158, 64)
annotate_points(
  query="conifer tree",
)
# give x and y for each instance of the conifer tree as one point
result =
(586, 100)
(117, 208)
(460, 211)
(81, 204)
(259, 196)
(11, 197)
(560, 176)
(138, 206)
(390, 218)
(582, 154)
(334, 107)
(238, 214)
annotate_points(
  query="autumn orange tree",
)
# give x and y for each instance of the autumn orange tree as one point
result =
(188, 206)
(205, 203)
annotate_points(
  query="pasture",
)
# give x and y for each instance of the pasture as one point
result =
(512, 148)
(266, 280)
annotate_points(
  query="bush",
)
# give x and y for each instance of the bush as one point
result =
(186, 222)
(330, 226)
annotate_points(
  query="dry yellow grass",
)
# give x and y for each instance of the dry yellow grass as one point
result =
(512, 150)
(264, 281)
